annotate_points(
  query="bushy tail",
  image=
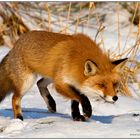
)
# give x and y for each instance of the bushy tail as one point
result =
(5, 82)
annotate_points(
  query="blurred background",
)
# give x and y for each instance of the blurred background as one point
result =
(115, 26)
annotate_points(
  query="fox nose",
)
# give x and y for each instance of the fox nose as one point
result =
(115, 98)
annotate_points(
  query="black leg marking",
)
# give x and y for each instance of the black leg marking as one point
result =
(76, 91)
(75, 112)
(87, 109)
(52, 103)
(86, 106)
(19, 117)
(42, 86)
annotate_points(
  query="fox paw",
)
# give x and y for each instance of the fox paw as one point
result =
(80, 118)
(52, 110)
(19, 117)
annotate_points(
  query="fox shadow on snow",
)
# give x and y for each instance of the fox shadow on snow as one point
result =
(36, 113)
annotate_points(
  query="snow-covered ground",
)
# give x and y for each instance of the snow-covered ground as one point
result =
(108, 120)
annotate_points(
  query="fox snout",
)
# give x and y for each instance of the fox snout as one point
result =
(111, 99)
(115, 98)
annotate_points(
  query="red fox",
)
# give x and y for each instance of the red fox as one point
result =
(74, 63)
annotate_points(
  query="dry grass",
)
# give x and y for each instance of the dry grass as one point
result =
(128, 74)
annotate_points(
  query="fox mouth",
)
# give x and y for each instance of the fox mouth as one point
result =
(97, 94)
(106, 101)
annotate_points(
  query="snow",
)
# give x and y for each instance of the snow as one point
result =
(108, 120)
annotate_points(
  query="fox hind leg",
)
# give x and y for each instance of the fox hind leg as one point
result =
(16, 104)
(21, 86)
(42, 86)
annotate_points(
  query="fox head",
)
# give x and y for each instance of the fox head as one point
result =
(102, 83)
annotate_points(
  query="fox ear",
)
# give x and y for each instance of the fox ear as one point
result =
(118, 64)
(90, 68)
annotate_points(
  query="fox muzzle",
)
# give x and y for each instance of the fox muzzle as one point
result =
(111, 99)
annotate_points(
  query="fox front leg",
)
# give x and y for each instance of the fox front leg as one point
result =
(86, 106)
(42, 86)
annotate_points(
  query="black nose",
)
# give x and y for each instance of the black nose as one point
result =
(115, 98)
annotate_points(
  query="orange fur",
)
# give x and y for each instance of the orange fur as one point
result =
(54, 56)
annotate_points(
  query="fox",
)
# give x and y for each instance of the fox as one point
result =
(75, 64)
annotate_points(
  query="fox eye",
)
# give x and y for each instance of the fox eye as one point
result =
(102, 85)
(115, 84)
